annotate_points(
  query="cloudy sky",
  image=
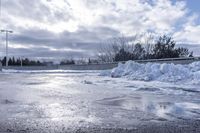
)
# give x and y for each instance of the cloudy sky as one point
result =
(75, 28)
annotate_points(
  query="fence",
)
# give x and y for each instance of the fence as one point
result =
(103, 66)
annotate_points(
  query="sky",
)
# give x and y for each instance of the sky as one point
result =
(52, 29)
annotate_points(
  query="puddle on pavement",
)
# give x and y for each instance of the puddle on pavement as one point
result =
(35, 83)
(193, 90)
(6, 101)
(163, 108)
(148, 89)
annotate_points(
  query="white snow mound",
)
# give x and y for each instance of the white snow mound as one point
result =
(157, 72)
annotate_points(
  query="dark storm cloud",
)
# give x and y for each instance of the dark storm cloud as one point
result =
(87, 40)
(83, 35)
(46, 53)
(33, 36)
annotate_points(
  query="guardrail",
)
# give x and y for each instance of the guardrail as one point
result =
(160, 60)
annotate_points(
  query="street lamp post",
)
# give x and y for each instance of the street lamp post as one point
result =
(22, 61)
(0, 9)
(7, 32)
(0, 23)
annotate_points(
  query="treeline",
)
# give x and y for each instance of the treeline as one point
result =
(18, 62)
(67, 62)
(79, 61)
(28, 62)
(123, 49)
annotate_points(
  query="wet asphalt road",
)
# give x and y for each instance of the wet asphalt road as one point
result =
(85, 102)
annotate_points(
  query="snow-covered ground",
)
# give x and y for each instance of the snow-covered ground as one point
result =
(57, 101)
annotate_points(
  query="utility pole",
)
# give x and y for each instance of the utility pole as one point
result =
(7, 32)
(21, 61)
(0, 9)
(0, 24)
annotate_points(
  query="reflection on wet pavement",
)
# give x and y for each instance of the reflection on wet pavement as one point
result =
(78, 100)
(165, 108)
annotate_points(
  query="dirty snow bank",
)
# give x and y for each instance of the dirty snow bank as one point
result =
(157, 72)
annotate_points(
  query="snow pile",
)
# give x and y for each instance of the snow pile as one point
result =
(158, 72)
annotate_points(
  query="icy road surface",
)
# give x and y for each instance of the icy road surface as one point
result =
(74, 101)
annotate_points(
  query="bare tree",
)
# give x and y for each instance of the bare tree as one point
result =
(149, 40)
(110, 48)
